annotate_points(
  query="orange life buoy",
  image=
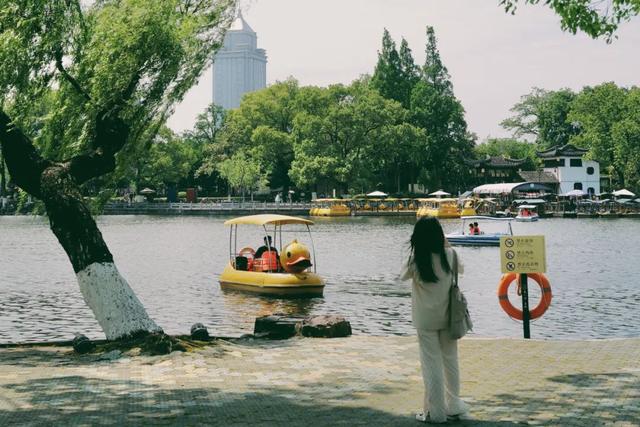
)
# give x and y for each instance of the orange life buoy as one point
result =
(247, 251)
(503, 295)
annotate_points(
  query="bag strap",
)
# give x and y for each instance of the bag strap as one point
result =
(454, 268)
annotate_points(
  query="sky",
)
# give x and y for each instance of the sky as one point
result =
(493, 57)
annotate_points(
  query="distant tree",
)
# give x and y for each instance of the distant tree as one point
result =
(170, 159)
(388, 76)
(542, 115)
(356, 139)
(88, 83)
(242, 173)
(510, 148)
(595, 18)
(410, 74)
(261, 126)
(435, 109)
(604, 119)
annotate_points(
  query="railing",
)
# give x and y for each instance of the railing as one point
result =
(221, 206)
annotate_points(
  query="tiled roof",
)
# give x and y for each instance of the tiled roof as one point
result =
(538, 176)
(568, 150)
(496, 162)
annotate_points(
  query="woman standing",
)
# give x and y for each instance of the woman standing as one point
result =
(430, 270)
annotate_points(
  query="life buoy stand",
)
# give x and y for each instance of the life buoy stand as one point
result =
(503, 295)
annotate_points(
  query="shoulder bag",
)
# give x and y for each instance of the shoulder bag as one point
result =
(459, 318)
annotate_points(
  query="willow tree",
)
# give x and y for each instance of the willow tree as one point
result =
(80, 86)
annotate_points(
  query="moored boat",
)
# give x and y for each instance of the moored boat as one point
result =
(330, 207)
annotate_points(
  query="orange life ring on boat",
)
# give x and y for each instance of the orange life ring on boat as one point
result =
(247, 251)
(503, 295)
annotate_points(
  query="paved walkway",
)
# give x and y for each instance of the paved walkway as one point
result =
(373, 381)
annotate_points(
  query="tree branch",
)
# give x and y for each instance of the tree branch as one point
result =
(21, 157)
(69, 77)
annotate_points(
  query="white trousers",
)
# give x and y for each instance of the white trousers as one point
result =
(441, 375)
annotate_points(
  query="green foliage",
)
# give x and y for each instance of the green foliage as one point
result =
(509, 148)
(543, 115)
(609, 121)
(242, 172)
(62, 63)
(603, 119)
(596, 19)
(96, 204)
(435, 109)
(388, 78)
(359, 138)
(169, 160)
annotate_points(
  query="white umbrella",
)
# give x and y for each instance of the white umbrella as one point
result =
(440, 193)
(377, 194)
(623, 193)
(575, 193)
(147, 191)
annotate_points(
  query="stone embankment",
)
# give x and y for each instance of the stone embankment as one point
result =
(360, 380)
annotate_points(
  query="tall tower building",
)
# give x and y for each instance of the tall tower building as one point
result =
(239, 66)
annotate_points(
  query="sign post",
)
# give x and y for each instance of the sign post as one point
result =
(523, 254)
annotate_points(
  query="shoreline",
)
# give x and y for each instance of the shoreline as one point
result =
(212, 339)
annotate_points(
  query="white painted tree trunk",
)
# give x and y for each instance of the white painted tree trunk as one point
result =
(115, 306)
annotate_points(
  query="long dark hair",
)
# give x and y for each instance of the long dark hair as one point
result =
(428, 239)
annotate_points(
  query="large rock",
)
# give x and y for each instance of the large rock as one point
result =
(82, 344)
(275, 326)
(325, 326)
(199, 332)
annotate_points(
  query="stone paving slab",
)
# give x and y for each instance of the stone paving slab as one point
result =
(361, 380)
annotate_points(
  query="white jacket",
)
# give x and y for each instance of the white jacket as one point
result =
(430, 300)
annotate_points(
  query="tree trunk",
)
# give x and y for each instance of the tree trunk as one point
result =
(106, 292)
(3, 183)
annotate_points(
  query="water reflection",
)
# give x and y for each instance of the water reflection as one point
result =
(173, 265)
(260, 305)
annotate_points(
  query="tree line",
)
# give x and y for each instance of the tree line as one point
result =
(399, 126)
(605, 119)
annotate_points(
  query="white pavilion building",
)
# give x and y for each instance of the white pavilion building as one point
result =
(239, 66)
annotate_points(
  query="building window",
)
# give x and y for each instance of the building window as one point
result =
(590, 170)
(575, 163)
(561, 163)
(577, 186)
(591, 191)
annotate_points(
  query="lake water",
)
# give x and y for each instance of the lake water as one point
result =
(173, 263)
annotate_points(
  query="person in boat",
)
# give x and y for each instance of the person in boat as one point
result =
(471, 229)
(266, 247)
(430, 269)
(476, 228)
(266, 257)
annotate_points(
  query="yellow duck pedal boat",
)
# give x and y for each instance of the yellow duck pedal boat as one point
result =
(263, 271)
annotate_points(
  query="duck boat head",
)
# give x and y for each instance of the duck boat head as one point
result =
(295, 257)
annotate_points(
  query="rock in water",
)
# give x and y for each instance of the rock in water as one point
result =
(199, 332)
(275, 327)
(325, 327)
(82, 344)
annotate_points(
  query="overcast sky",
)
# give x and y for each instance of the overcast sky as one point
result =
(493, 58)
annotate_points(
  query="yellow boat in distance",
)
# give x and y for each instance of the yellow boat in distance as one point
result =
(438, 208)
(269, 274)
(330, 207)
(469, 206)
